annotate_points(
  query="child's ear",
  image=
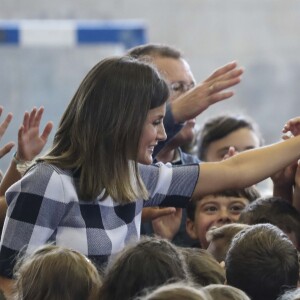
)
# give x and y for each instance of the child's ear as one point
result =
(190, 229)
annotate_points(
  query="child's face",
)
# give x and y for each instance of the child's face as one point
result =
(214, 211)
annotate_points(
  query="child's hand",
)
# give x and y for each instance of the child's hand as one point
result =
(30, 142)
(293, 126)
(231, 152)
(168, 225)
(3, 126)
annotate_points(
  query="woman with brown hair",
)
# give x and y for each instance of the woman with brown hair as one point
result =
(88, 192)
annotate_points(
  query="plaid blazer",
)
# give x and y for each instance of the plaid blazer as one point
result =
(43, 207)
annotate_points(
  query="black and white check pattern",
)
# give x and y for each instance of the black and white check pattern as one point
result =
(43, 207)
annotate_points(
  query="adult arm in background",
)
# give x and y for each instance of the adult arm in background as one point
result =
(198, 99)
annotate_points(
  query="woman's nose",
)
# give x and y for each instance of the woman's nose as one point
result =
(161, 134)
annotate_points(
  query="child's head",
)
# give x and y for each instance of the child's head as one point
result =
(220, 238)
(276, 211)
(221, 132)
(225, 292)
(203, 268)
(262, 262)
(54, 272)
(216, 210)
(177, 291)
(148, 263)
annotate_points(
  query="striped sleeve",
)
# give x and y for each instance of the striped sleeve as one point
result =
(169, 185)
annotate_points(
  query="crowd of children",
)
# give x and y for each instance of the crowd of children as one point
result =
(74, 219)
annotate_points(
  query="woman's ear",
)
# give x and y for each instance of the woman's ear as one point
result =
(190, 229)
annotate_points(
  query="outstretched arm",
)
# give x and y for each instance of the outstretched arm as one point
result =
(246, 168)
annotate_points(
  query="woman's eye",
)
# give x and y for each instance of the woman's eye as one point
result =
(157, 122)
(176, 87)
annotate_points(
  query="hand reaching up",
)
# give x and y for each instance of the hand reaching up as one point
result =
(292, 126)
(3, 126)
(30, 142)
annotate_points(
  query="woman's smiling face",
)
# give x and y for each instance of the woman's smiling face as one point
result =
(153, 132)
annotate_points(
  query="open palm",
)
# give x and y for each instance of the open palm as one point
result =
(30, 142)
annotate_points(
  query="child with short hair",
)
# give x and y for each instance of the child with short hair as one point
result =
(216, 210)
(54, 272)
(276, 211)
(262, 262)
(203, 267)
(177, 291)
(220, 238)
(225, 292)
(148, 263)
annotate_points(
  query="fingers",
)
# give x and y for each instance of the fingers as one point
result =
(33, 119)
(38, 116)
(5, 124)
(218, 86)
(152, 213)
(26, 121)
(287, 136)
(222, 70)
(47, 131)
(292, 124)
(220, 96)
(224, 78)
(20, 133)
(231, 152)
(6, 149)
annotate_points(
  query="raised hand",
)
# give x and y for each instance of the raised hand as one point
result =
(30, 142)
(293, 126)
(210, 91)
(3, 126)
(167, 226)
(152, 213)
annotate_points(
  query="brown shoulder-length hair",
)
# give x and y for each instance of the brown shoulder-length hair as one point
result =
(98, 135)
